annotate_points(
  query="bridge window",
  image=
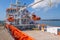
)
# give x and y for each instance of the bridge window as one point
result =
(11, 11)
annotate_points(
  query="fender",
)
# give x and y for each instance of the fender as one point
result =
(18, 34)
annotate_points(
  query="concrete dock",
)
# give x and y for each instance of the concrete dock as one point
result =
(39, 35)
(4, 35)
(36, 34)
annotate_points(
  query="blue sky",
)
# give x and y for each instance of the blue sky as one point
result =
(53, 13)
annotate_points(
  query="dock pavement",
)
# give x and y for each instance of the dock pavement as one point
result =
(4, 35)
(36, 34)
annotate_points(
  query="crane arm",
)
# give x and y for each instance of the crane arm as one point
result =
(35, 3)
(32, 5)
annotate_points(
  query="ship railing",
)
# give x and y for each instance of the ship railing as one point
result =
(26, 24)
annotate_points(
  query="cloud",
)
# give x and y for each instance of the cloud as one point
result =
(46, 4)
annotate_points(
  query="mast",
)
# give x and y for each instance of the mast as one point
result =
(50, 3)
(11, 4)
(17, 3)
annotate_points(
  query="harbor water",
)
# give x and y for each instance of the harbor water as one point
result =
(50, 23)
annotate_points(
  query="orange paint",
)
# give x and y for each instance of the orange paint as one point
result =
(35, 18)
(18, 34)
(10, 19)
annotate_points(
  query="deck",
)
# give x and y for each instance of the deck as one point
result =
(4, 35)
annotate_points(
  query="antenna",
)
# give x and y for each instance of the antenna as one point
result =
(11, 3)
(17, 1)
(50, 3)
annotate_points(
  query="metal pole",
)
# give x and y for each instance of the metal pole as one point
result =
(16, 2)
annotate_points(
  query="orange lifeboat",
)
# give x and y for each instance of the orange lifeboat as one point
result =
(10, 19)
(38, 18)
(35, 18)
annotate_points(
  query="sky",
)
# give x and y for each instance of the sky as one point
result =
(42, 9)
